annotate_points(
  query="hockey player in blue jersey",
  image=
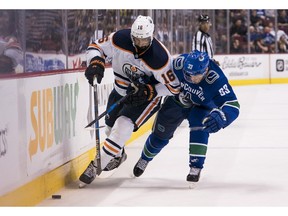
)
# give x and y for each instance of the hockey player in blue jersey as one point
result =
(206, 100)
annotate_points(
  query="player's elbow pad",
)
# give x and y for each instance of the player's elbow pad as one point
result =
(231, 115)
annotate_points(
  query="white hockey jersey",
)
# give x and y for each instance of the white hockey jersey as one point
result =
(150, 67)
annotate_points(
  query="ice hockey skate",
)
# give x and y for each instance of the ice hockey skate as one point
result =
(193, 177)
(116, 162)
(88, 175)
(140, 167)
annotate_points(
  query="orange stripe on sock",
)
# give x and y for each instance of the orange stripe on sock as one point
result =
(111, 148)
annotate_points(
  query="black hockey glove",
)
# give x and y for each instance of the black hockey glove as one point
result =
(96, 68)
(214, 121)
(140, 94)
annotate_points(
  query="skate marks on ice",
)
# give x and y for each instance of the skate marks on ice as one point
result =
(162, 192)
(103, 175)
(132, 182)
(245, 164)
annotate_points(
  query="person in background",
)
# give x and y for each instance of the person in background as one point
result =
(141, 66)
(202, 40)
(11, 54)
(206, 100)
(6, 65)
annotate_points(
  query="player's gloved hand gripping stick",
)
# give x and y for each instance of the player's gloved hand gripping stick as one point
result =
(135, 91)
(213, 122)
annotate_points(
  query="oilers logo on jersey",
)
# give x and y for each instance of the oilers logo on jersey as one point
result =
(134, 73)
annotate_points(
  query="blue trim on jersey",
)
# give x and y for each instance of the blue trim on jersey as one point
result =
(120, 76)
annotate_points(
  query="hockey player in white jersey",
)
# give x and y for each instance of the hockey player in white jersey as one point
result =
(206, 100)
(141, 66)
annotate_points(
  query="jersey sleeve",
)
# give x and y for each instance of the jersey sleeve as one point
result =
(101, 47)
(227, 101)
(196, 43)
(168, 81)
(203, 43)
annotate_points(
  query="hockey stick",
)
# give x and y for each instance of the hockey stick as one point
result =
(197, 128)
(97, 133)
(93, 128)
(112, 107)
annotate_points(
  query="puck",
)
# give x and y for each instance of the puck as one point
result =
(56, 196)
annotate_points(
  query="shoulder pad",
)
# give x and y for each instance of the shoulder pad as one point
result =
(212, 76)
(178, 62)
(123, 40)
(156, 56)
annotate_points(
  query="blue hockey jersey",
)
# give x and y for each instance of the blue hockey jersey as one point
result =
(214, 91)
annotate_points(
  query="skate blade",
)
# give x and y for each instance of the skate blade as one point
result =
(192, 185)
(82, 185)
(132, 176)
(107, 174)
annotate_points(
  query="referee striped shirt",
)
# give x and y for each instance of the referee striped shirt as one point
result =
(202, 42)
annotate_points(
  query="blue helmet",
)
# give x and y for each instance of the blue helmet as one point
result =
(195, 63)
